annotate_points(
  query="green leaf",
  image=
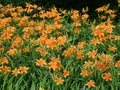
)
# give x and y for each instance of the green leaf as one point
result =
(32, 86)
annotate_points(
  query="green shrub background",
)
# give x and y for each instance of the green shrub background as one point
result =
(67, 4)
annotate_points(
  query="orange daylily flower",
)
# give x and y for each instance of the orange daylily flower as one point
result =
(77, 30)
(61, 40)
(1, 5)
(100, 9)
(112, 15)
(75, 15)
(43, 39)
(106, 61)
(117, 64)
(6, 35)
(116, 37)
(87, 63)
(81, 44)
(59, 80)
(94, 42)
(107, 76)
(5, 69)
(103, 17)
(85, 73)
(110, 11)
(26, 49)
(16, 72)
(69, 51)
(12, 51)
(92, 54)
(112, 48)
(17, 42)
(31, 23)
(85, 16)
(26, 29)
(11, 29)
(90, 83)
(77, 23)
(23, 69)
(51, 43)
(66, 73)
(14, 14)
(4, 60)
(44, 53)
(2, 49)
(40, 62)
(101, 65)
(103, 8)
(98, 33)
(109, 28)
(55, 63)
(26, 35)
(79, 54)
(38, 49)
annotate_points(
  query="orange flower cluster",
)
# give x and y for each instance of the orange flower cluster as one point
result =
(69, 51)
(6, 69)
(55, 63)
(21, 70)
(48, 40)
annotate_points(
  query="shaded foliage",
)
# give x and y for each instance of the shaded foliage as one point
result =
(71, 4)
(74, 4)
